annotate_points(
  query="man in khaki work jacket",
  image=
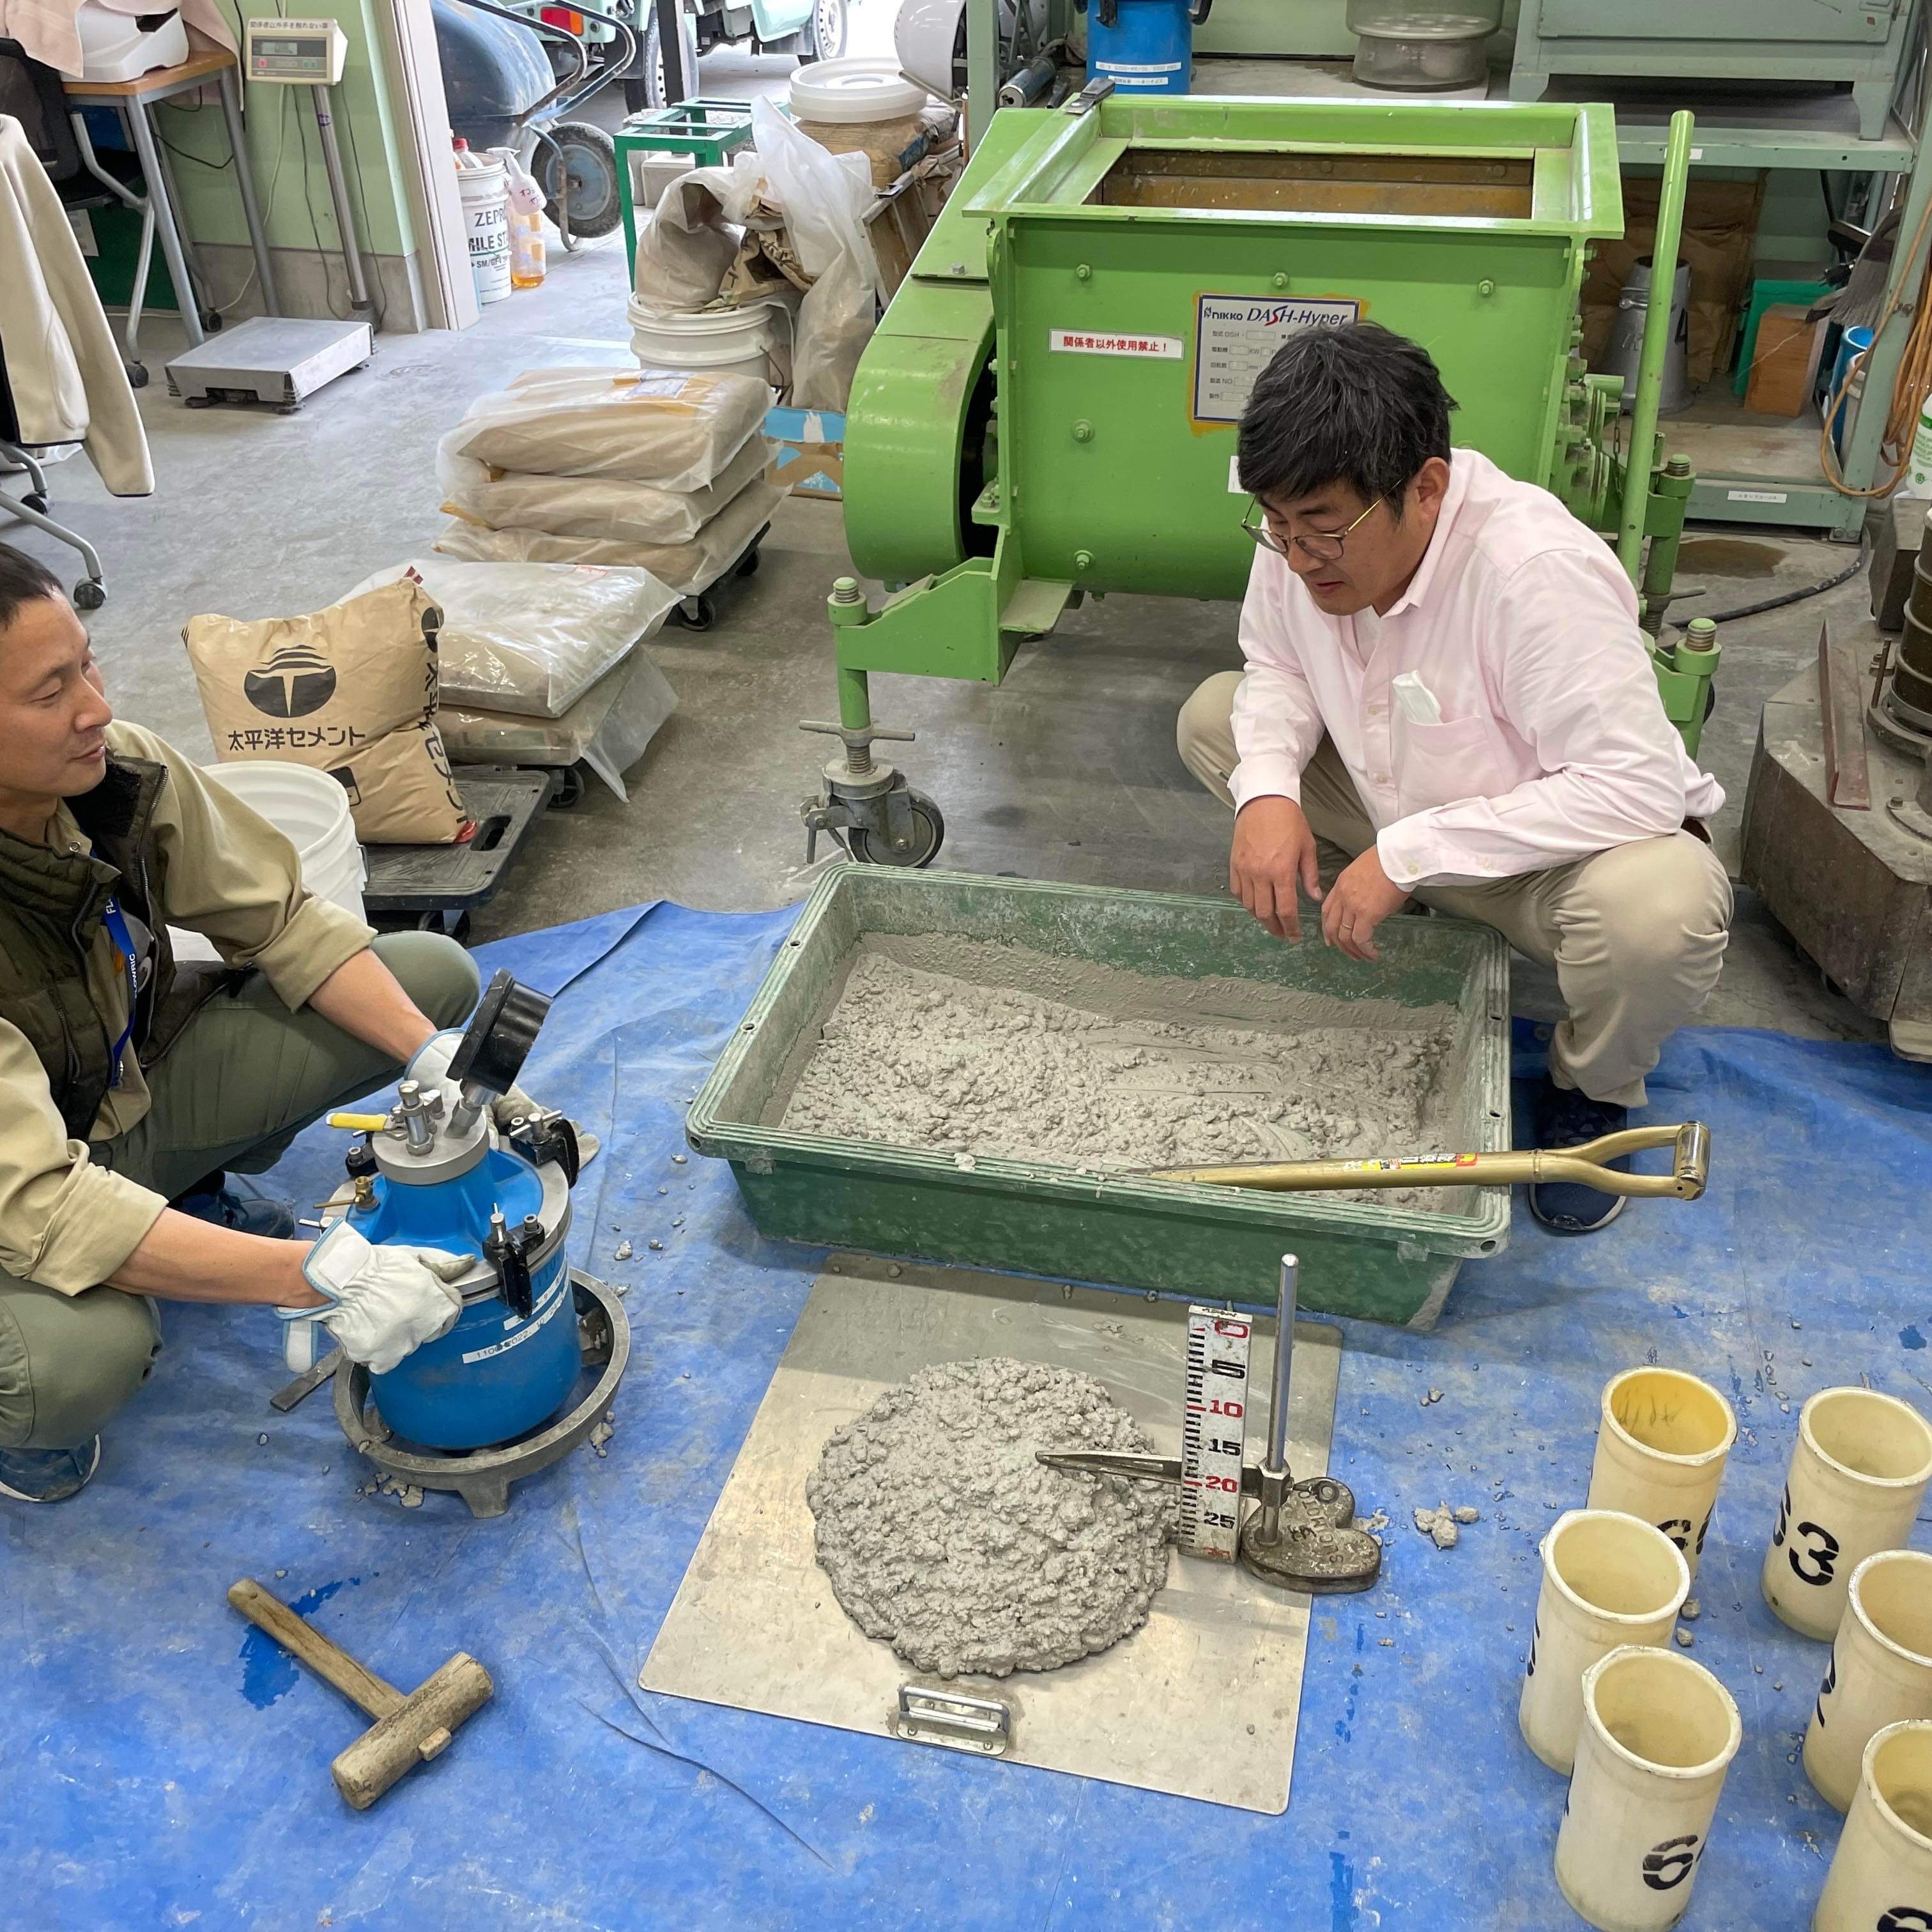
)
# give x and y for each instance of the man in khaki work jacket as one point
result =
(127, 1085)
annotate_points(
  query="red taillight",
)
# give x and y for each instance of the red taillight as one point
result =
(569, 20)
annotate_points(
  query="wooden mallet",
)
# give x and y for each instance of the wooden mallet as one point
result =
(408, 1731)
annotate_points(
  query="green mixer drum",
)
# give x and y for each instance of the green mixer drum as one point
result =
(1141, 264)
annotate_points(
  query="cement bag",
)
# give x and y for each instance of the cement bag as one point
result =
(824, 197)
(677, 430)
(591, 506)
(350, 690)
(531, 638)
(608, 728)
(687, 568)
(684, 247)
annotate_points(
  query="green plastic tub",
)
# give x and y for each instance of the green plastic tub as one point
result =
(1359, 1257)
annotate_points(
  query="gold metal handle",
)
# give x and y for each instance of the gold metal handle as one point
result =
(1691, 1168)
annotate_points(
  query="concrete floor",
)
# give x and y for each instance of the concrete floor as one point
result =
(1066, 771)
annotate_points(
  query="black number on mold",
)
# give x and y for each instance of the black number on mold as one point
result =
(1535, 1638)
(1905, 1918)
(1666, 1866)
(1704, 1531)
(1830, 1684)
(1678, 1528)
(1824, 1555)
(1783, 1519)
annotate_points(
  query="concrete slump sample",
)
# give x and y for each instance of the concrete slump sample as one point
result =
(943, 1536)
(1122, 1072)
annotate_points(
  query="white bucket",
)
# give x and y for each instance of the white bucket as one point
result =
(1881, 1873)
(485, 203)
(1880, 1672)
(740, 339)
(1662, 1437)
(1659, 1734)
(1857, 1476)
(310, 810)
(1608, 1580)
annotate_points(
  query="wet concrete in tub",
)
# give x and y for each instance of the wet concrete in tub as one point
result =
(1024, 1056)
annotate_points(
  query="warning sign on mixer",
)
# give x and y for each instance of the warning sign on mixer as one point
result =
(1235, 338)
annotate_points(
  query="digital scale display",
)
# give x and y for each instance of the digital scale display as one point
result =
(298, 51)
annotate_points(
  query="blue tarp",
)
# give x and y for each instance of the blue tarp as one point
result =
(163, 1767)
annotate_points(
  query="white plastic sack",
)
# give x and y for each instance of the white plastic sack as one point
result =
(687, 568)
(531, 638)
(676, 430)
(595, 506)
(608, 728)
(824, 197)
(685, 246)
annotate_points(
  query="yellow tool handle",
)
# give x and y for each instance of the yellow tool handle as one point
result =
(1691, 1168)
(360, 1123)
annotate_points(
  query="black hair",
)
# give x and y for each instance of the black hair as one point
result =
(1358, 405)
(23, 579)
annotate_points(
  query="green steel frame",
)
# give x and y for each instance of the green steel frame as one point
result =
(709, 131)
(999, 481)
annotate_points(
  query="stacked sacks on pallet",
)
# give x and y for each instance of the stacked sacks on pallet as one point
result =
(645, 470)
(542, 664)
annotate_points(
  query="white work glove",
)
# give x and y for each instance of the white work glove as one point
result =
(387, 1301)
(430, 1069)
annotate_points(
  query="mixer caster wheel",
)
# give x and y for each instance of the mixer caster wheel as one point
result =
(696, 614)
(571, 787)
(89, 594)
(748, 564)
(929, 833)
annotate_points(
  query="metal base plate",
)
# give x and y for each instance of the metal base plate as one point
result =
(1201, 1701)
(269, 359)
(482, 1477)
(1317, 1547)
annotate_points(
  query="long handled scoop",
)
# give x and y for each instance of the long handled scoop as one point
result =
(1691, 1167)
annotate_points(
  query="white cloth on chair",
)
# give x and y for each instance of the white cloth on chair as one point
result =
(63, 365)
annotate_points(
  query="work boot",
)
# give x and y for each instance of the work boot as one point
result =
(210, 1200)
(1566, 1118)
(48, 1475)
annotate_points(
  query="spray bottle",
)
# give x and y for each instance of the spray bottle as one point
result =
(525, 215)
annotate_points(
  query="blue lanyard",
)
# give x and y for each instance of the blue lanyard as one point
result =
(124, 944)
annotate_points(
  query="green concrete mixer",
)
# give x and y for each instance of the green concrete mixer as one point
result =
(1077, 340)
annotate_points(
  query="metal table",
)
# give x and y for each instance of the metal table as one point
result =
(135, 99)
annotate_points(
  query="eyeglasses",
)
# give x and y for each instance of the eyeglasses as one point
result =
(1325, 547)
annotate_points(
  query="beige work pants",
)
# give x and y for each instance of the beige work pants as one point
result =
(1636, 933)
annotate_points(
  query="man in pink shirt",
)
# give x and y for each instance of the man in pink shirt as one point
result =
(1448, 699)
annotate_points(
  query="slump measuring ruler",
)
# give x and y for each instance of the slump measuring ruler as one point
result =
(1214, 1406)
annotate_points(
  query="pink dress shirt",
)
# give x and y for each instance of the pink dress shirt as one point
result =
(1553, 743)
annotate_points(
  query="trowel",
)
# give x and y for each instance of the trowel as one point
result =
(1300, 1534)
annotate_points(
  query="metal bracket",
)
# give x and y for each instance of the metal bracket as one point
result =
(953, 1720)
(1089, 97)
(1841, 707)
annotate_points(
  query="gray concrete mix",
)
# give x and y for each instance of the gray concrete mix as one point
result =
(1066, 771)
(943, 1535)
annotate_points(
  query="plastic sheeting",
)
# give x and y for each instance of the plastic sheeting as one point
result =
(164, 1767)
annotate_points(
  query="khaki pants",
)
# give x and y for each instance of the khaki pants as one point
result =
(1636, 933)
(245, 1077)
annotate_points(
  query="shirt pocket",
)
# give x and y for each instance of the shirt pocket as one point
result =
(1438, 764)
